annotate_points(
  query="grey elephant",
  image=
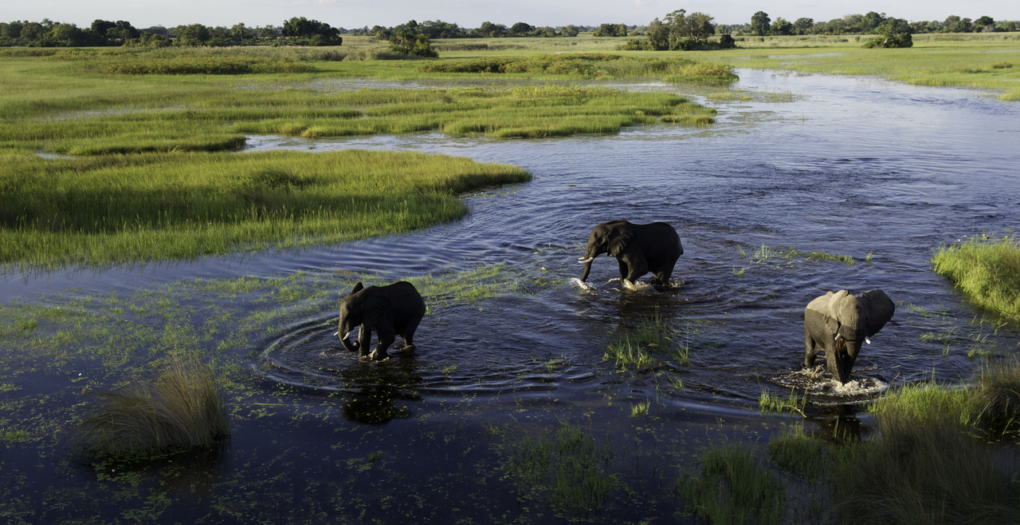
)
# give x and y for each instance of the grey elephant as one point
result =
(392, 310)
(638, 248)
(839, 322)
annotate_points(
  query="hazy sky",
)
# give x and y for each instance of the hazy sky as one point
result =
(471, 13)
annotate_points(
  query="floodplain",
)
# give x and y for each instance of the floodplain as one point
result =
(530, 398)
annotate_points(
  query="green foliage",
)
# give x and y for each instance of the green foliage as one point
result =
(610, 30)
(647, 345)
(588, 65)
(768, 402)
(113, 209)
(412, 45)
(922, 468)
(988, 273)
(996, 397)
(183, 409)
(570, 469)
(733, 486)
(800, 454)
(311, 32)
(194, 65)
(890, 40)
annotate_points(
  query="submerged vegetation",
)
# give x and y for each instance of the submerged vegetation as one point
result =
(650, 344)
(988, 273)
(114, 209)
(183, 409)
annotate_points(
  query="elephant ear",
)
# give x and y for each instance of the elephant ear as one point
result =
(375, 307)
(357, 288)
(832, 312)
(880, 310)
(619, 241)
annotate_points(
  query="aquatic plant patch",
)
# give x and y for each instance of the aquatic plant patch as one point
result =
(106, 210)
(988, 273)
(588, 65)
(192, 65)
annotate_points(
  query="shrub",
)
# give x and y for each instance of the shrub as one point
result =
(181, 410)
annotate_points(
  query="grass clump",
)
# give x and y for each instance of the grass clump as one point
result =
(733, 486)
(588, 65)
(647, 346)
(988, 273)
(799, 454)
(183, 409)
(194, 65)
(996, 397)
(923, 468)
(769, 402)
(117, 209)
(570, 468)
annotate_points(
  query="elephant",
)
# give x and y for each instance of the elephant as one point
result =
(392, 310)
(638, 248)
(839, 322)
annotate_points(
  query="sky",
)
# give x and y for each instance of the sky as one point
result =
(471, 13)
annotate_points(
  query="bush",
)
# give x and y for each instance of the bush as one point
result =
(182, 410)
(891, 40)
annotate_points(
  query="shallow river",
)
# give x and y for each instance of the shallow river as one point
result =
(879, 171)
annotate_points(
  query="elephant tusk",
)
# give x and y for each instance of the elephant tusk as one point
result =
(866, 340)
(839, 336)
(585, 261)
(336, 333)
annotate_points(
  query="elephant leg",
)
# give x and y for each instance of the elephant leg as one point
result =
(833, 365)
(624, 272)
(637, 269)
(665, 272)
(810, 350)
(386, 338)
(408, 335)
(364, 341)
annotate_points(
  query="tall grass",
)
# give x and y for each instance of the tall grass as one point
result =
(648, 345)
(733, 486)
(115, 209)
(988, 273)
(182, 409)
(588, 65)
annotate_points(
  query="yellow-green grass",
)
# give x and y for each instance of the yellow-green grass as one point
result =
(987, 272)
(52, 105)
(182, 409)
(924, 465)
(133, 208)
(587, 65)
(978, 61)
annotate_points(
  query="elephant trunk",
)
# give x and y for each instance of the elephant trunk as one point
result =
(590, 253)
(350, 346)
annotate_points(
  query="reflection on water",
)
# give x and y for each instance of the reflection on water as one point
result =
(862, 167)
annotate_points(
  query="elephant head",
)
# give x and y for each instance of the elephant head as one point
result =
(613, 237)
(852, 320)
(362, 307)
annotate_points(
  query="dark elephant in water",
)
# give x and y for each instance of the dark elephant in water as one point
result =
(839, 322)
(638, 248)
(392, 310)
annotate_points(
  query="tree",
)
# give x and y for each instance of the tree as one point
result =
(313, 32)
(407, 43)
(611, 30)
(490, 30)
(782, 27)
(983, 23)
(760, 23)
(191, 35)
(657, 35)
(521, 29)
(570, 30)
(803, 26)
(870, 21)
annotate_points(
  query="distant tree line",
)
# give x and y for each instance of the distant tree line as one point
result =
(678, 30)
(296, 31)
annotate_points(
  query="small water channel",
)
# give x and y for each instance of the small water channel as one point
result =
(879, 171)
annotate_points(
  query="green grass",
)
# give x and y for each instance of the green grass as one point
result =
(648, 345)
(988, 273)
(569, 469)
(922, 468)
(183, 409)
(115, 209)
(799, 454)
(769, 402)
(733, 486)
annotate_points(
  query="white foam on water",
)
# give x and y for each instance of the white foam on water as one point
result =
(581, 284)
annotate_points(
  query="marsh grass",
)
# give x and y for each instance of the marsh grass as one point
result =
(589, 65)
(733, 486)
(639, 409)
(106, 210)
(182, 409)
(988, 273)
(570, 469)
(996, 397)
(799, 454)
(790, 256)
(192, 65)
(923, 467)
(768, 402)
(648, 344)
